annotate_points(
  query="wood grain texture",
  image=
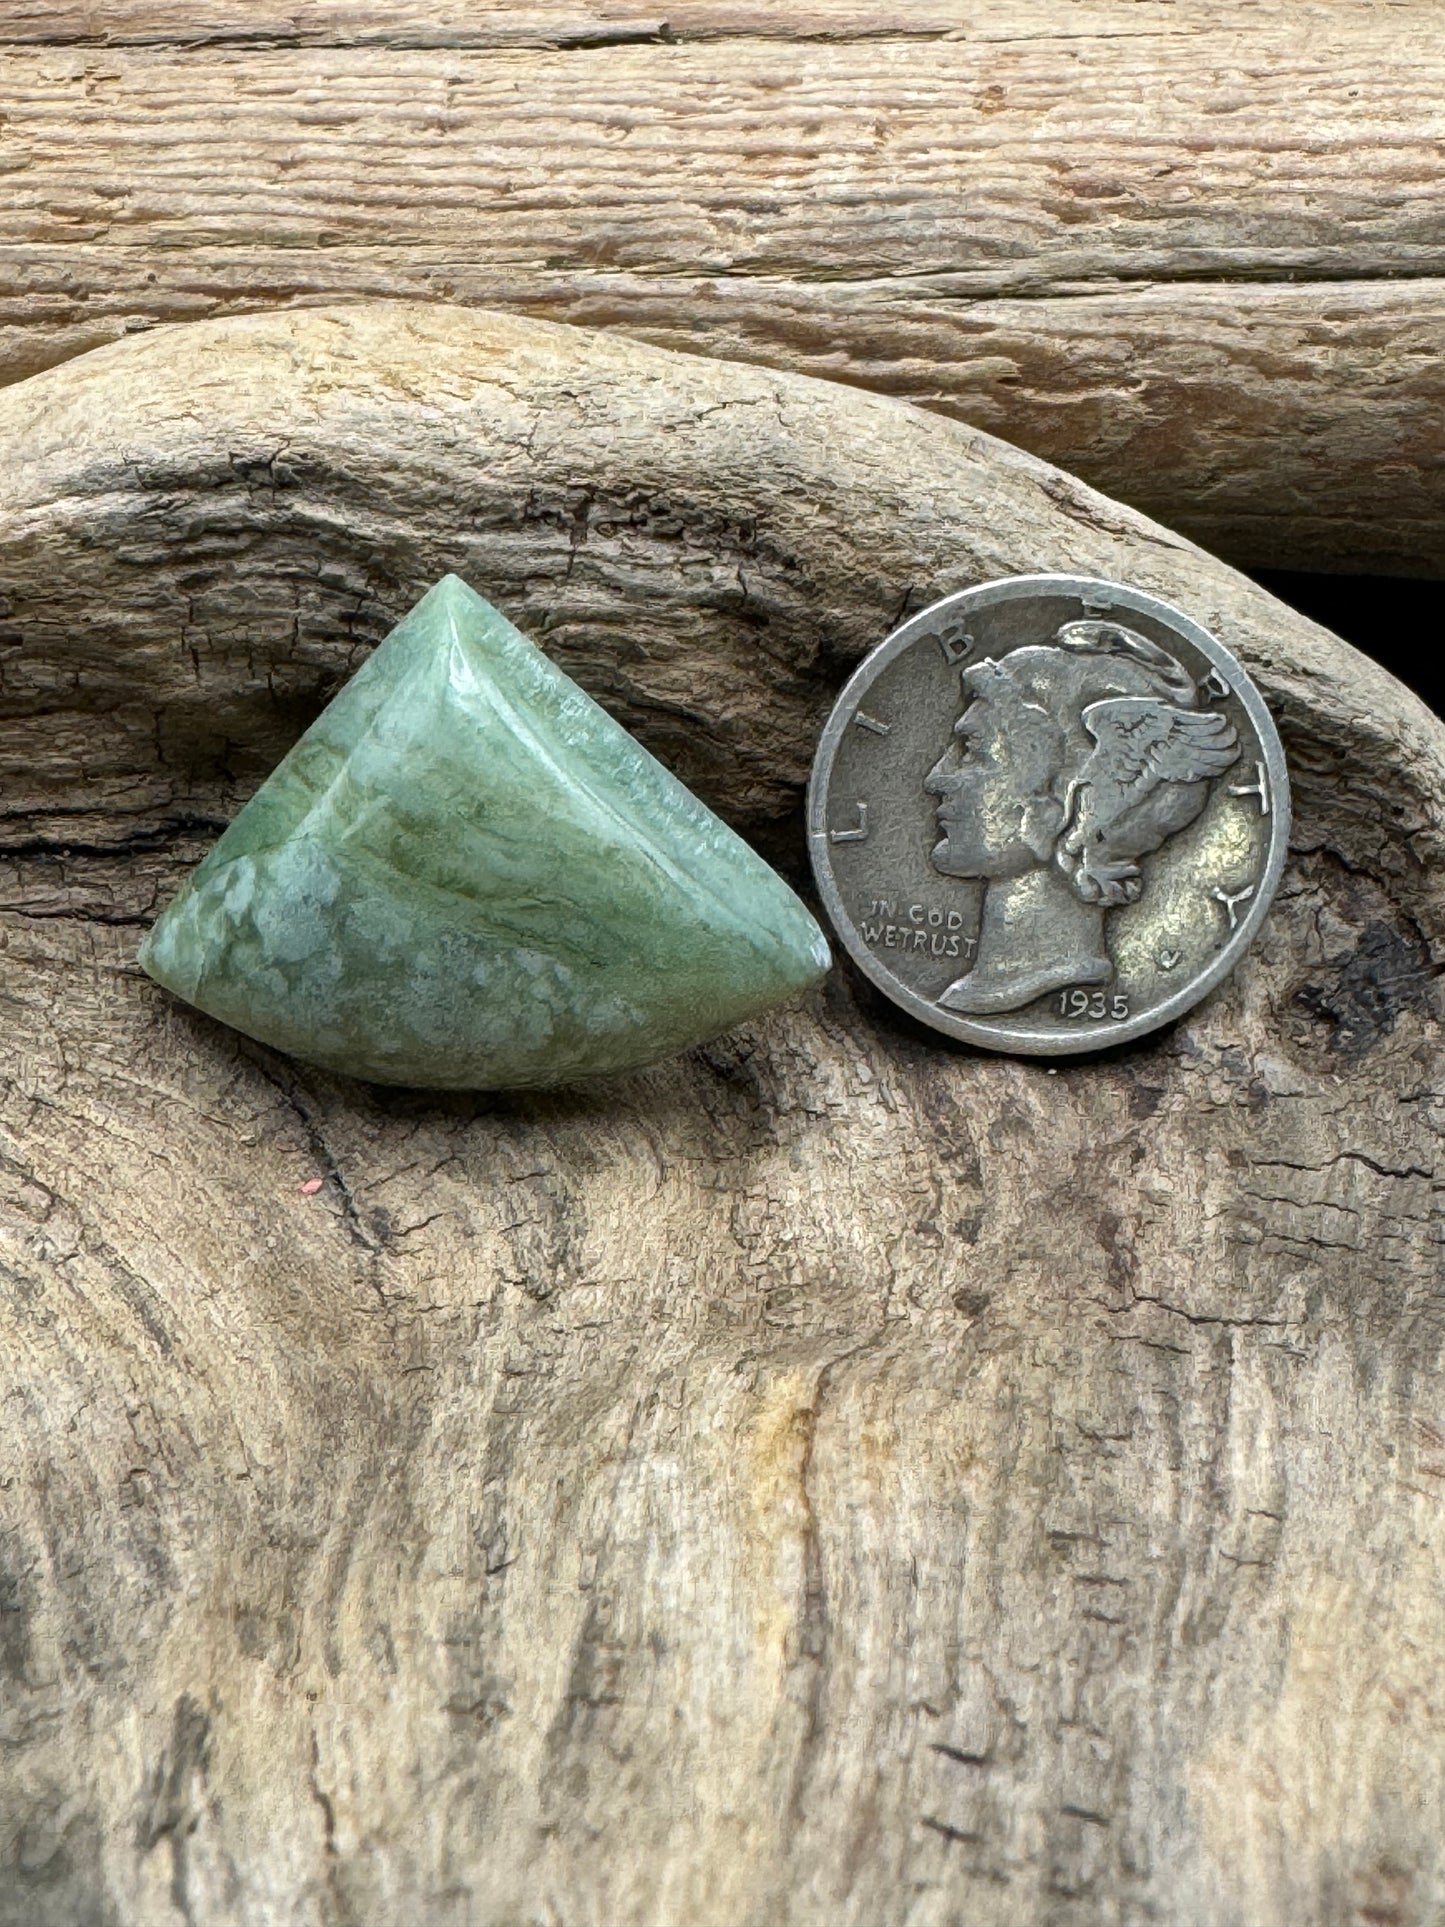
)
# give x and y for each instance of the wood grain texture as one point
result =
(832, 1478)
(560, 23)
(1194, 253)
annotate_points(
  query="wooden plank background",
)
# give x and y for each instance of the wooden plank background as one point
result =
(1193, 252)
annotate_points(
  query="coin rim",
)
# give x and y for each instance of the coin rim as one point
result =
(1074, 1040)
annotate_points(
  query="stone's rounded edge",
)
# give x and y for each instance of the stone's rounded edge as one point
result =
(804, 961)
(147, 958)
(1001, 1038)
(822, 952)
(153, 953)
(447, 1071)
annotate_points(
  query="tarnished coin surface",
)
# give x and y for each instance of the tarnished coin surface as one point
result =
(1048, 814)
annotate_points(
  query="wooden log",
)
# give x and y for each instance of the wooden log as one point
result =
(831, 1478)
(1190, 251)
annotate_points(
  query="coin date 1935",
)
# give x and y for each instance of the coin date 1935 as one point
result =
(1096, 1005)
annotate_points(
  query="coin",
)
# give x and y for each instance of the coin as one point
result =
(1048, 814)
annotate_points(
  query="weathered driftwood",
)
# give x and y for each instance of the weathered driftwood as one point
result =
(1189, 249)
(832, 1478)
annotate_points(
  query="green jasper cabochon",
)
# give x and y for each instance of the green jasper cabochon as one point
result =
(466, 875)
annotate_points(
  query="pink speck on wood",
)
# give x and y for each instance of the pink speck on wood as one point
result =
(311, 1187)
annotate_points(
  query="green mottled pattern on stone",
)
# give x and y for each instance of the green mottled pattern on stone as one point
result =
(467, 875)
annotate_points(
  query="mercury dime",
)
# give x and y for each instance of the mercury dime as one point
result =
(1048, 814)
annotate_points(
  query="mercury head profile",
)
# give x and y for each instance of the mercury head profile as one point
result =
(1071, 761)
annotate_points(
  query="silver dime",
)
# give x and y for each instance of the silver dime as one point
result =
(1048, 814)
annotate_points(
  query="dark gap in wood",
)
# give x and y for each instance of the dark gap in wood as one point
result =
(1395, 619)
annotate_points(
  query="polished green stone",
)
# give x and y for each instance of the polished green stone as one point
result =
(467, 875)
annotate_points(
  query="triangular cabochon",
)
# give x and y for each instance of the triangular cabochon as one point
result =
(467, 875)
